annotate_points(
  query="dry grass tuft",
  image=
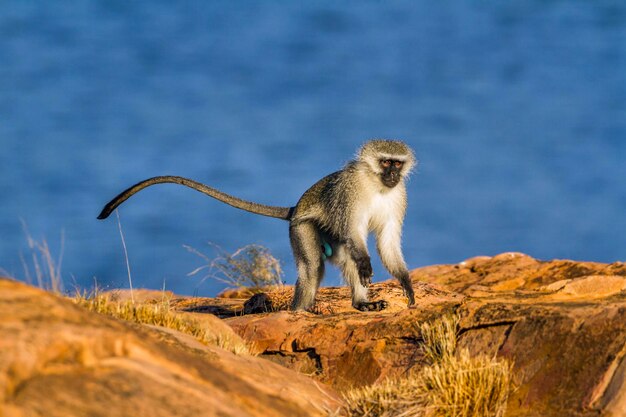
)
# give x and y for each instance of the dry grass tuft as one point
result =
(281, 297)
(390, 398)
(452, 385)
(467, 387)
(439, 338)
(46, 269)
(251, 266)
(160, 314)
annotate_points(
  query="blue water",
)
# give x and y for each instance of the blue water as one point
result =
(516, 110)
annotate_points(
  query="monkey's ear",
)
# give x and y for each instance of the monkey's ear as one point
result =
(409, 165)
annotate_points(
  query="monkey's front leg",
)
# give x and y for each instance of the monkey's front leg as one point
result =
(358, 253)
(389, 249)
(407, 286)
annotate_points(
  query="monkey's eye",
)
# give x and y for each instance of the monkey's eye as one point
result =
(386, 163)
(397, 164)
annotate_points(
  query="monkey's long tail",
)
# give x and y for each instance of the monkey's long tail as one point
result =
(270, 211)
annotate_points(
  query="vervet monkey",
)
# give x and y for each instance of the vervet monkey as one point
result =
(333, 218)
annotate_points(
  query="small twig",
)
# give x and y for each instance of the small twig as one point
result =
(60, 260)
(130, 281)
(27, 276)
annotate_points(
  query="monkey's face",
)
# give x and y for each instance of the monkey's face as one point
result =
(391, 172)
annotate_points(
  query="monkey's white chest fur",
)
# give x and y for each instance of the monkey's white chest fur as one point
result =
(381, 210)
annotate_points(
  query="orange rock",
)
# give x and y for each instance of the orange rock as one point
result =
(562, 323)
(58, 359)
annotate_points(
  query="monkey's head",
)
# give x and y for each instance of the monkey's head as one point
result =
(391, 160)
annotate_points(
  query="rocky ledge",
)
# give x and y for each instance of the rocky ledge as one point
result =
(561, 323)
(59, 359)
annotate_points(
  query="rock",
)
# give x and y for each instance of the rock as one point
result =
(562, 323)
(58, 359)
(593, 286)
(347, 348)
(139, 295)
(258, 303)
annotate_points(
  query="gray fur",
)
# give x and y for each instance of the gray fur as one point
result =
(341, 209)
(270, 211)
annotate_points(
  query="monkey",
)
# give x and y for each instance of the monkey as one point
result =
(332, 220)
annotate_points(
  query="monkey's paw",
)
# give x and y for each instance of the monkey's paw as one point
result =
(372, 305)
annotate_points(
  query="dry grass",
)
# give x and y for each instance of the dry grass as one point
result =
(281, 297)
(45, 268)
(467, 387)
(453, 384)
(251, 266)
(390, 398)
(439, 338)
(160, 314)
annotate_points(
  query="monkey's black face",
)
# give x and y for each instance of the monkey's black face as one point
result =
(391, 172)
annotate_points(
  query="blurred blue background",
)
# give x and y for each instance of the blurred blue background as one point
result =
(516, 110)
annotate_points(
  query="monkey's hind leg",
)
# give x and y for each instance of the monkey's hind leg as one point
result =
(306, 244)
(350, 272)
